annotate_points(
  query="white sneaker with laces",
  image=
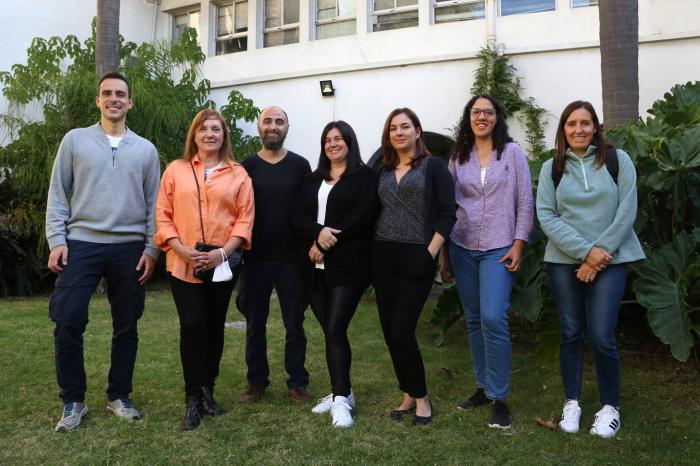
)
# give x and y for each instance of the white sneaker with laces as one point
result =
(606, 423)
(570, 417)
(72, 415)
(323, 405)
(341, 412)
(123, 408)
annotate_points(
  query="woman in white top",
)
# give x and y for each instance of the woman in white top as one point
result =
(334, 219)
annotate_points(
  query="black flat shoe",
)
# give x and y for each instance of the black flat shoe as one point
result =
(209, 406)
(423, 420)
(397, 414)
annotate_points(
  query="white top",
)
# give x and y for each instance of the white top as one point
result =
(323, 191)
(114, 140)
(207, 171)
(483, 174)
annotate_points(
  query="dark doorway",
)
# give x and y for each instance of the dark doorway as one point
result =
(439, 145)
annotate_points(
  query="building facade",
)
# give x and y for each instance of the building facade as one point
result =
(382, 54)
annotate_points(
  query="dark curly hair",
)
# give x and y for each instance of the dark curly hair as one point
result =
(465, 135)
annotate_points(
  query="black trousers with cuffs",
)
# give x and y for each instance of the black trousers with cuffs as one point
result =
(403, 275)
(202, 309)
(334, 307)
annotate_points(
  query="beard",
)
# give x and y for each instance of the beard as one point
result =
(273, 141)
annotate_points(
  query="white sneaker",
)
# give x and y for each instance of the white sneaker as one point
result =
(323, 405)
(341, 412)
(72, 415)
(606, 423)
(123, 408)
(570, 417)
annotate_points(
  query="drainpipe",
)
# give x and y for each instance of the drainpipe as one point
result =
(155, 16)
(490, 11)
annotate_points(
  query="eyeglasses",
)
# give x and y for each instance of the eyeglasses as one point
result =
(488, 112)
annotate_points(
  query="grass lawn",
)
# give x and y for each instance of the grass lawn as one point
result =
(660, 411)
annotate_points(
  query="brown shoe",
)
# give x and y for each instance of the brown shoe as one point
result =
(254, 393)
(299, 394)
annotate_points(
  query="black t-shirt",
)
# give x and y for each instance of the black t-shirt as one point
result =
(276, 187)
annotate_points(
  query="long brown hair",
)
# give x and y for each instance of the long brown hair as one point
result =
(191, 149)
(389, 154)
(561, 144)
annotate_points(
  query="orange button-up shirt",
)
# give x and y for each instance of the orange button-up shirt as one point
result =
(227, 208)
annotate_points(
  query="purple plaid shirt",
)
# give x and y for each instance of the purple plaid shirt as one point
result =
(496, 214)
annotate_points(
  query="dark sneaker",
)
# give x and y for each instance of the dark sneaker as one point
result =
(254, 393)
(72, 415)
(500, 416)
(123, 408)
(209, 405)
(477, 400)
(299, 394)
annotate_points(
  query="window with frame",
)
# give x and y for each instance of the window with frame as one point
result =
(580, 3)
(281, 22)
(335, 18)
(458, 10)
(516, 7)
(232, 27)
(394, 14)
(182, 21)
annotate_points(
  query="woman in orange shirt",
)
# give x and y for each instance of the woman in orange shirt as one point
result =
(205, 197)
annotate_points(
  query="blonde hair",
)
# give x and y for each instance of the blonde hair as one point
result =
(191, 147)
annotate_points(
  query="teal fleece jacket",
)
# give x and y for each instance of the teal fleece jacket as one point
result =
(100, 196)
(588, 209)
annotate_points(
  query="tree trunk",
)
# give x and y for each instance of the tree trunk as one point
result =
(107, 36)
(619, 60)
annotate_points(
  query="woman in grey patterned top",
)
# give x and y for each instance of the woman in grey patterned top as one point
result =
(416, 216)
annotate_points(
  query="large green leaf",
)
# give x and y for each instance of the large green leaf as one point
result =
(527, 297)
(446, 312)
(661, 287)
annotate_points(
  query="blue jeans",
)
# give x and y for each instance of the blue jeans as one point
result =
(589, 309)
(484, 288)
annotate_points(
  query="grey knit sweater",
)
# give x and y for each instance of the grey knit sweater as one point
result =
(100, 195)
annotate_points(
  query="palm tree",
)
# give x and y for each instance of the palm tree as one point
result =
(107, 36)
(619, 56)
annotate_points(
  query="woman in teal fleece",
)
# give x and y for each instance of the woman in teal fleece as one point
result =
(586, 206)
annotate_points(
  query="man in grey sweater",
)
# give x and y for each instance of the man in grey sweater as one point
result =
(100, 222)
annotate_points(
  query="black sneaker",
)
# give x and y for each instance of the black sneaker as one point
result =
(476, 400)
(500, 416)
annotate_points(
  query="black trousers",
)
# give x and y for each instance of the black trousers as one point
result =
(334, 307)
(257, 281)
(68, 308)
(403, 275)
(202, 310)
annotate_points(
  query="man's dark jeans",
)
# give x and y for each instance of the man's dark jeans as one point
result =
(257, 281)
(68, 308)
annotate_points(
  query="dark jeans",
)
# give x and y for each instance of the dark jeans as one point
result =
(403, 275)
(202, 309)
(589, 309)
(68, 308)
(257, 281)
(334, 307)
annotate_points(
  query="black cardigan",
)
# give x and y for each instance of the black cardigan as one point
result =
(351, 207)
(440, 205)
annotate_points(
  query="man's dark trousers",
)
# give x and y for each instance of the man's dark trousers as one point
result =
(87, 263)
(257, 281)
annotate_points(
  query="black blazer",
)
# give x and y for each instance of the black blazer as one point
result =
(352, 207)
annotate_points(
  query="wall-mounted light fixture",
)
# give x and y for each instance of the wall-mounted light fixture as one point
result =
(327, 88)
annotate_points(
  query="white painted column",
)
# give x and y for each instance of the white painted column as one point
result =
(424, 14)
(305, 19)
(491, 11)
